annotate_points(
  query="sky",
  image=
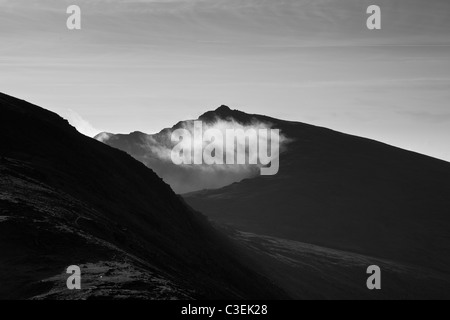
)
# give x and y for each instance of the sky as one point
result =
(144, 65)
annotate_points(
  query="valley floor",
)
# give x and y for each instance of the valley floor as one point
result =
(312, 272)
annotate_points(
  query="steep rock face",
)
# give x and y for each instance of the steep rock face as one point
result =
(66, 199)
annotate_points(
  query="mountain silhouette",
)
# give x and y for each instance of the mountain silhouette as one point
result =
(154, 151)
(339, 204)
(333, 190)
(344, 192)
(66, 199)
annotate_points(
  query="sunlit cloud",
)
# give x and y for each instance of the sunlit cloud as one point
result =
(82, 125)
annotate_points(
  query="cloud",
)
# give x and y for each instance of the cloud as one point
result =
(156, 153)
(163, 150)
(82, 125)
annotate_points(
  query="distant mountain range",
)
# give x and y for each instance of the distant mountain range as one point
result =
(66, 199)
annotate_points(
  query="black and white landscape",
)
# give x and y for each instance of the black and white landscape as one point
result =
(340, 205)
(90, 99)
(67, 199)
(338, 202)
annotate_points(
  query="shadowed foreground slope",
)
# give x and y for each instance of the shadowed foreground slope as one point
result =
(66, 199)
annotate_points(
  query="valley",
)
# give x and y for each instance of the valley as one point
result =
(308, 272)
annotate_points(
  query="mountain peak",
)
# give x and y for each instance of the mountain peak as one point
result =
(223, 108)
(224, 112)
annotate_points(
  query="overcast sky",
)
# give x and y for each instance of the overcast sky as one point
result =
(145, 65)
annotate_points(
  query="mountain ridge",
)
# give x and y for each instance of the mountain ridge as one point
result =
(339, 191)
(344, 192)
(67, 199)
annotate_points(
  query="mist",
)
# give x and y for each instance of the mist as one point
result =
(155, 152)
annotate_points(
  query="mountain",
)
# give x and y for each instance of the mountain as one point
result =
(332, 190)
(154, 151)
(66, 199)
(338, 204)
(342, 192)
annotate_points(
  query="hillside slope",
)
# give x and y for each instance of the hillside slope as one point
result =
(66, 199)
(344, 192)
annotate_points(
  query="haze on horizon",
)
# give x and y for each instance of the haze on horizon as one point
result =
(147, 64)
